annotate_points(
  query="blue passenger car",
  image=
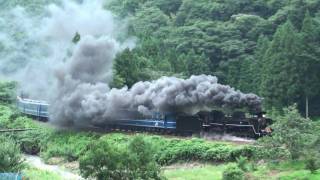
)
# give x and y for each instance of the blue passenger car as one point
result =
(32, 107)
(157, 121)
(126, 120)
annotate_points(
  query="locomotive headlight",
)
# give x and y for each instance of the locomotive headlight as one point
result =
(264, 115)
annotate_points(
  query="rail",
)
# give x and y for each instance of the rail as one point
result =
(15, 130)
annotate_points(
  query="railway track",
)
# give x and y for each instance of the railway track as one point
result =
(15, 130)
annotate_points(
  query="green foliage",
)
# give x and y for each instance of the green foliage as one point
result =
(129, 68)
(11, 159)
(233, 172)
(311, 164)
(70, 145)
(7, 92)
(312, 161)
(242, 163)
(143, 163)
(196, 65)
(280, 68)
(104, 160)
(36, 174)
(203, 172)
(292, 132)
(270, 152)
(193, 150)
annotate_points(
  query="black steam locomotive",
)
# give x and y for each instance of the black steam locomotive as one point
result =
(237, 123)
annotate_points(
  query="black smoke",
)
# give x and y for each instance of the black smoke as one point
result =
(83, 97)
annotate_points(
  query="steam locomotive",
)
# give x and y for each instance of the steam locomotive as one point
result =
(237, 123)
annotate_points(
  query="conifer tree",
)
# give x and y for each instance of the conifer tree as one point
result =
(309, 60)
(280, 80)
(256, 67)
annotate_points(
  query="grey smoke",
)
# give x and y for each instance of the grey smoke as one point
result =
(34, 45)
(84, 98)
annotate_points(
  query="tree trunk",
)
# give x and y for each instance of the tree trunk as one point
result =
(307, 107)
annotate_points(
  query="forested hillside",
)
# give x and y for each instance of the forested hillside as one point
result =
(269, 47)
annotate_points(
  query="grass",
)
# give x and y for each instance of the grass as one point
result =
(299, 174)
(205, 172)
(284, 171)
(36, 174)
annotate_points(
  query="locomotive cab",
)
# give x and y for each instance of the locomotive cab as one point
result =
(237, 123)
(264, 123)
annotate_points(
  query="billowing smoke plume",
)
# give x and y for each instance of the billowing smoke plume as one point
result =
(84, 98)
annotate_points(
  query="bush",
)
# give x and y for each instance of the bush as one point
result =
(105, 160)
(233, 172)
(7, 91)
(271, 153)
(30, 141)
(246, 151)
(312, 161)
(218, 154)
(292, 132)
(171, 151)
(10, 156)
(311, 164)
(242, 163)
(66, 144)
(143, 164)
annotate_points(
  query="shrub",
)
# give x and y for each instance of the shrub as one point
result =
(171, 151)
(30, 141)
(242, 163)
(218, 154)
(271, 153)
(69, 145)
(233, 172)
(292, 132)
(102, 161)
(10, 156)
(143, 164)
(245, 151)
(7, 91)
(312, 161)
(311, 164)
(105, 160)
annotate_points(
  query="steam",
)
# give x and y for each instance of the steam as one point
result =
(225, 137)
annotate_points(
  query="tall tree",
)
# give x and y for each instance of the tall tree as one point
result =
(129, 68)
(280, 86)
(256, 67)
(309, 60)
